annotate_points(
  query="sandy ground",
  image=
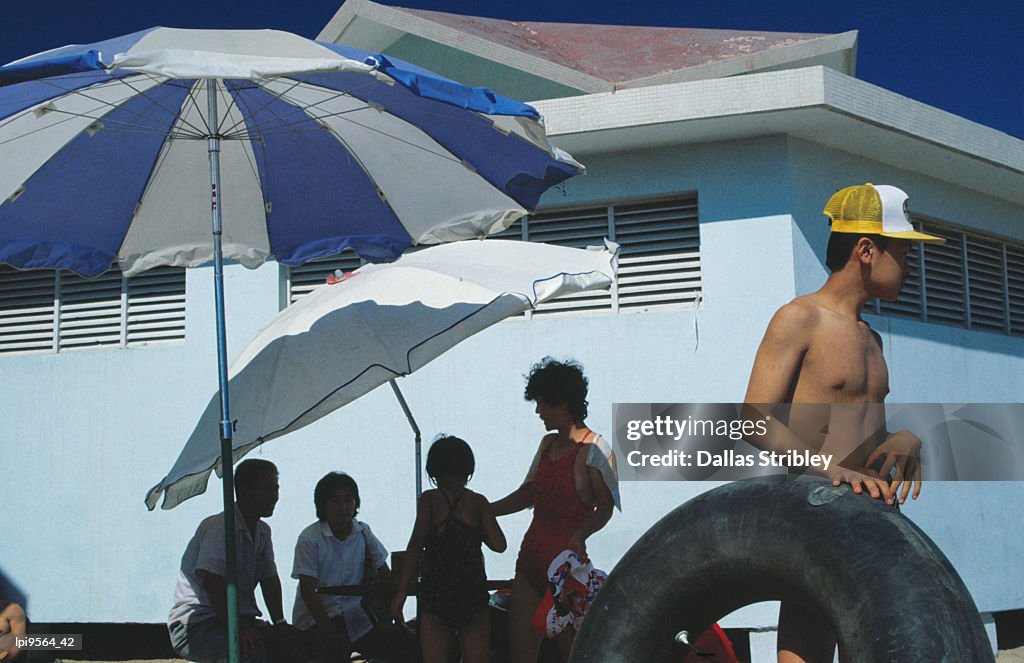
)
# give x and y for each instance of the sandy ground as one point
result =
(1005, 656)
(1011, 656)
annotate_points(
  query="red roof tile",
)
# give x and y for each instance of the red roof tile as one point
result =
(616, 53)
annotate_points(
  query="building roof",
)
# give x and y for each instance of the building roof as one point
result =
(617, 53)
(621, 88)
(814, 104)
(581, 57)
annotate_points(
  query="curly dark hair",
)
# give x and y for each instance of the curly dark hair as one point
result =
(327, 486)
(556, 382)
(450, 455)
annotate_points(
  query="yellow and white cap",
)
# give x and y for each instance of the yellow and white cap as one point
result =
(867, 209)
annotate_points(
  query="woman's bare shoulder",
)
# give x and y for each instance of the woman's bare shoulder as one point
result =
(546, 441)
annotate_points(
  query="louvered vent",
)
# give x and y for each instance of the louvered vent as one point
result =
(52, 311)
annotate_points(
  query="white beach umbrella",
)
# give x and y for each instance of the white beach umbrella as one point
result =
(378, 323)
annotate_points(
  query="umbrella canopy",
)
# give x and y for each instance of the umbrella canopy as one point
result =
(104, 150)
(381, 321)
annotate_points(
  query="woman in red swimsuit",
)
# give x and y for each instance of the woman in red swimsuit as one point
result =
(569, 494)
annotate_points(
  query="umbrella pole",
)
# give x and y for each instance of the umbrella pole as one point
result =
(416, 431)
(227, 478)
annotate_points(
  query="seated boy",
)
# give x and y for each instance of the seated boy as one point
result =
(336, 550)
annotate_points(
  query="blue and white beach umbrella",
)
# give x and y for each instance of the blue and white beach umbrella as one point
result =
(104, 153)
(128, 151)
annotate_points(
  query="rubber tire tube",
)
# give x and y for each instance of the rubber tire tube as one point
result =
(887, 589)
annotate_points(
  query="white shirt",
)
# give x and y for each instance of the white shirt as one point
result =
(207, 552)
(332, 561)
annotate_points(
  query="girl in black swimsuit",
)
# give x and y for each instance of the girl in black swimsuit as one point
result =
(451, 523)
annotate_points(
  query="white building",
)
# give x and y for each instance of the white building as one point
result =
(709, 159)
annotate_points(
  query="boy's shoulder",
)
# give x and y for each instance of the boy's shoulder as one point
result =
(809, 315)
(802, 310)
(314, 528)
(795, 322)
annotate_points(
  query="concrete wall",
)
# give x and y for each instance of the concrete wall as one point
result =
(90, 432)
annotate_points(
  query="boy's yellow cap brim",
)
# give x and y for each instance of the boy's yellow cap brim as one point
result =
(874, 228)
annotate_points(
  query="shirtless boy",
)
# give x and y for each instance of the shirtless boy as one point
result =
(818, 351)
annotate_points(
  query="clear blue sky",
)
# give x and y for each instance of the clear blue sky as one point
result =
(964, 57)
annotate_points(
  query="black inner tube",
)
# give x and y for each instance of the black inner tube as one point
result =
(889, 592)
